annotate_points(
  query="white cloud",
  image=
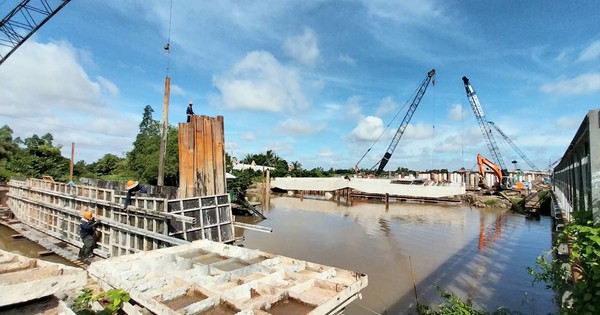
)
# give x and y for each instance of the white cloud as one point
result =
(177, 90)
(456, 112)
(248, 136)
(386, 105)
(281, 148)
(45, 89)
(418, 131)
(325, 153)
(352, 107)
(259, 82)
(304, 48)
(368, 129)
(582, 84)
(41, 75)
(404, 11)
(108, 86)
(347, 59)
(568, 122)
(591, 52)
(300, 127)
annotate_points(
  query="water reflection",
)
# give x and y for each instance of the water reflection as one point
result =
(26, 247)
(478, 254)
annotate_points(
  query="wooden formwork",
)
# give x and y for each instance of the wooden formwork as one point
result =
(213, 214)
(56, 209)
(202, 157)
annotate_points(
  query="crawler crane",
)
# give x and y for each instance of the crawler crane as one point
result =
(405, 121)
(487, 134)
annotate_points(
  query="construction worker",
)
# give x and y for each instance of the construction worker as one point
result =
(87, 232)
(132, 188)
(189, 112)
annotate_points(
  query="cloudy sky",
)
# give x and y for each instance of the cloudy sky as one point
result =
(317, 82)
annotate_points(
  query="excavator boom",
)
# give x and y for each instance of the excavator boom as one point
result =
(481, 161)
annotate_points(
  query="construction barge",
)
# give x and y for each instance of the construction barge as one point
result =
(175, 256)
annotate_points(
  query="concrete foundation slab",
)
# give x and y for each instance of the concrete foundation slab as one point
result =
(204, 276)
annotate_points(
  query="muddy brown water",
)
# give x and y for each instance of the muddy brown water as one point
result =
(479, 254)
(25, 247)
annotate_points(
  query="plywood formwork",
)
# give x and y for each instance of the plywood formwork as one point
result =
(202, 157)
(56, 209)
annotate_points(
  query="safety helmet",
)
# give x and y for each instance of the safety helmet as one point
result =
(131, 184)
(88, 215)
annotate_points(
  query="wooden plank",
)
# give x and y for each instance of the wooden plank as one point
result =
(184, 174)
(45, 253)
(199, 158)
(208, 167)
(219, 155)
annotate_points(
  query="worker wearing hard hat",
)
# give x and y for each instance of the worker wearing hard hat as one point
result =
(132, 188)
(189, 112)
(87, 232)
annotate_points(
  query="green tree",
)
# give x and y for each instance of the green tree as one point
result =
(40, 157)
(8, 150)
(142, 160)
(107, 165)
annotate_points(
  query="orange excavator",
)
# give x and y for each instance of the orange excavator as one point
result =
(503, 180)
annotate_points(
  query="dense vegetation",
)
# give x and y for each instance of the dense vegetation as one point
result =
(583, 293)
(38, 156)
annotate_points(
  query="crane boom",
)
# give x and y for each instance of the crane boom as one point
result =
(405, 121)
(483, 125)
(513, 145)
(26, 18)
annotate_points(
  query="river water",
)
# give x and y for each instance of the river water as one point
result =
(26, 247)
(479, 254)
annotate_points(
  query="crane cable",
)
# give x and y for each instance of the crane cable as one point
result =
(433, 127)
(167, 46)
(386, 128)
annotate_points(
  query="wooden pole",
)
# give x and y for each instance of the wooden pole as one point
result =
(387, 201)
(71, 164)
(413, 278)
(163, 140)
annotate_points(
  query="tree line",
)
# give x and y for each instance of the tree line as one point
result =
(37, 156)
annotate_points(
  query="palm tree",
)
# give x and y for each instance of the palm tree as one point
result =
(296, 165)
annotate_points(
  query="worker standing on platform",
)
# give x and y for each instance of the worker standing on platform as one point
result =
(190, 112)
(87, 232)
(132, 188)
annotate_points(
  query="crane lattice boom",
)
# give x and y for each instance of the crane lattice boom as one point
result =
(513, 145)
(405, 121)
(483, 125)
(26, 18)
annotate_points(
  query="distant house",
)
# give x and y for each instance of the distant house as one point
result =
(253, 166)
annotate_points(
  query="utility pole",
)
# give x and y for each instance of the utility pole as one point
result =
(163, 140)
(165, 120)
(72, 161)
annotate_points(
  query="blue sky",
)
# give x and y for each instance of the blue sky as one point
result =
(314, 81)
